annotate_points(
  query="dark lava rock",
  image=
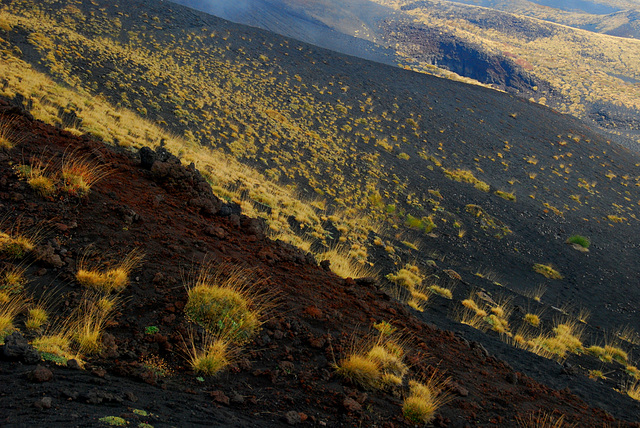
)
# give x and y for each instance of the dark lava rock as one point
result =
(41, 374)
(43, 403)
(293, 417)
(351, 405)
(18, 348)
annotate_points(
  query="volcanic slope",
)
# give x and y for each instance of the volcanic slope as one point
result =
(284, 376)
(462, 183)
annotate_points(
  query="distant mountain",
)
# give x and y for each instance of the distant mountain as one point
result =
(511, 46)
(329, 24)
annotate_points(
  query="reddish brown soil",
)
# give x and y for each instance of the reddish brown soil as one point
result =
(288, 368)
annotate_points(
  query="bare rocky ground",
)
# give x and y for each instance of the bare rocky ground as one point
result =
(283, 377)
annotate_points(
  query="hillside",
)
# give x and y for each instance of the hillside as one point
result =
(139, 374)
(452, 195)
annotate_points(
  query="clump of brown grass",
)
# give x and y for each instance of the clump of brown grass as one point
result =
(113, 279)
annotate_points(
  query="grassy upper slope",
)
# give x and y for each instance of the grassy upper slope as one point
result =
(346, 152)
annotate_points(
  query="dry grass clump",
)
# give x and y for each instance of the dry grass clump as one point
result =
(425, 399)
(221, 300)
(532, 319)
(114, 279)
(56, 346)
(78, 335)
(9, 135)
(79, 174)
(385, 328)
(36, 317)
(89, 325)
(466, 176)
(633, 391)
(410, 278)
(15, 245)
(12, 280)
(628, 334)
(442, 291)
(9, 309)
(542, 419)
(75, 175)
(633, 371)
(39, 177)
(547, 271)
(609, 353)
(470, 317)
(343, 264)
(374, 363)
(472, 305)
(213, 356)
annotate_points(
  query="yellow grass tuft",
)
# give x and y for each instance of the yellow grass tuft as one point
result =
(16, 245)
(532, 319)
(542, 419)
(214, 355)
(466, 176)
(12, 280)
(79, 174)
(633, 391)
(441, 291)
(375, 363)
(408, 277)
(9, 135)
(547, 271)
(39, 177)
(9, 309)
(56, 346)
(360, 369)
(343, 264)
(425, 399)
(114, 279)
(221, 301)
(37, 316)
